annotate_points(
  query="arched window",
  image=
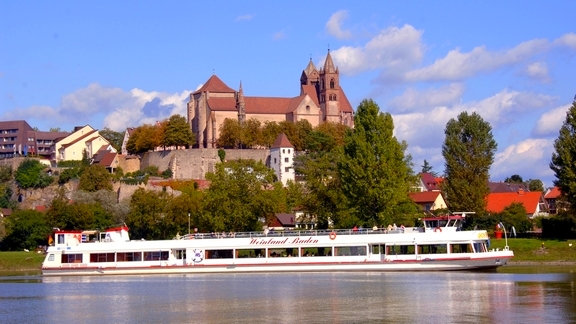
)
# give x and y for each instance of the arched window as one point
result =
(331, 83)
(307, 108)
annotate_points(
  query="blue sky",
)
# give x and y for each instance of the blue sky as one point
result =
(124, 63)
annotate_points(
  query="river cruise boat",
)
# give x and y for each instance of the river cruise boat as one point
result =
(439, 245)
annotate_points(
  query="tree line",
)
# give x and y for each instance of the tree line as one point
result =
(362, 178)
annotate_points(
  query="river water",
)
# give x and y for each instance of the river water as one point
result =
(513, 294)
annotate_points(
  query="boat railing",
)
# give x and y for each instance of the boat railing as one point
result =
(293, 233)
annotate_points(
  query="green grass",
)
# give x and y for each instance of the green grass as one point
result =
(21, 261)
(538, 250)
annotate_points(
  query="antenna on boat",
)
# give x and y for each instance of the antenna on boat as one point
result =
(505, 236)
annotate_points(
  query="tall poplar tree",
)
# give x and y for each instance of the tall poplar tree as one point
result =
(375, 172)
(564, 157)
(468, 151)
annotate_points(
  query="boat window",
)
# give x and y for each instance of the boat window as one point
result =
(480, 247)
(51, 257)
(219, 254)
(180, 254)
(101, 257)
(249, 253)
(400, 249)
(460, 248)
(72, 258)
(60, 238)
(349, 250)
(316, 251)
(432, 248)
(377, 249)
(128, 256)
(155, 255)
(282, 252)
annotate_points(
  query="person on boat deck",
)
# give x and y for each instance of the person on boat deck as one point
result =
(355, 229)
(389, 227)
(394, 227)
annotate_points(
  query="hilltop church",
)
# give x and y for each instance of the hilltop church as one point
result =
(321, 100)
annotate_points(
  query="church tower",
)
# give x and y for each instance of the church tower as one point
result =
(329, 94)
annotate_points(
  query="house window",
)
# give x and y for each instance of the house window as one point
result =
(331, 83)
(274, 160)
(307, 108)
(427, 207)
(288, 151)
(287, 169)
(286, 160)
(283, 151)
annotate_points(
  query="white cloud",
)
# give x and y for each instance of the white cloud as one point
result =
(568, 40)
(334, 25)
(413, 99)
(395, 49)
(118, 108)
(457, 65)
(245, 17)
(279, 35)
(528, 158)
(551, 121)
(537, 71)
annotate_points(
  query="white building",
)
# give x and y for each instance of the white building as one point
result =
(282, 159)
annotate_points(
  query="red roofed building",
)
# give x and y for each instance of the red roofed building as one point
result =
(551, 198)
(532, 201)
(321, 99)
(428, 200)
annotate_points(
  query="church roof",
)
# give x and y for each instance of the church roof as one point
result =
(257, 105)
(345, 105)
(282, 141)
(329, 64)
(310, 68)
(310, 90)
(214, 84)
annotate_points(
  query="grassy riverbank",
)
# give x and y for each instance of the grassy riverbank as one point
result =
(525, 251)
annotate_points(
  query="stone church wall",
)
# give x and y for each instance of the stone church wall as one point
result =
(195, 163)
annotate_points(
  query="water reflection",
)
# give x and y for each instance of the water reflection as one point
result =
(437, 297)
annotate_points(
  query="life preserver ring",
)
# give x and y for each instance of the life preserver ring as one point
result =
(198, 256)
(333, 235)
(438, 229)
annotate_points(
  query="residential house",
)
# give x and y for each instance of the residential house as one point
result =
(283, 221)
(18, 138)
(533, 202)
(106, 158)
(551, 197)
(428, 200)
(507, 187)
(83, 139)
(428, 182)
(127, 133)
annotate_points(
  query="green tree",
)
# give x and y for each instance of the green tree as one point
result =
(115, 138)
(251, 133)
(303, 131)
(147, 210)
(5, 173)
(30, 174)
(535, 185)
(221, 155)
(563, 161)
(230, 134)
(178, 132)
(108, 200)
(515, 178)
(95, 178)
(237, 198)
(375, 172)
(427, 168)
(55, 129)
(468, 152)
(25, 229)
(336, 131)
(323, 198)
(270, 131)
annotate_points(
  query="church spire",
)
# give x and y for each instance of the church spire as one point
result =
(328, 64)
(241, 105)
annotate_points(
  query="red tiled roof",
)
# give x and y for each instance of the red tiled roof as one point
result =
(554, 193)
(429, 181)
(214, 84)
(282, 141)
(222, 104)
(286, 219)
(108, 159)
(310, 90)
(267, 105)
(424, 196)
(497, 201)
(345, 105)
